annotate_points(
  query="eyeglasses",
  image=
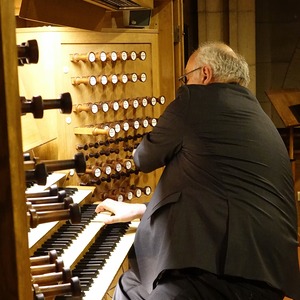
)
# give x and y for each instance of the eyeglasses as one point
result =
(184, 79)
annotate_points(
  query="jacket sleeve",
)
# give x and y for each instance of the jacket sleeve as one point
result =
(159, 147)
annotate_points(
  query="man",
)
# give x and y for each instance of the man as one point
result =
(222, 222)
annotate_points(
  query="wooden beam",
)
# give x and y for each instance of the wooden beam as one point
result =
(15, 281)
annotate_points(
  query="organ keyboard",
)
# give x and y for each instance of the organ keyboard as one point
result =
(101, 283)
(74, 244)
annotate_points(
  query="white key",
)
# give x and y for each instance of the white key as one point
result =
(112, 265)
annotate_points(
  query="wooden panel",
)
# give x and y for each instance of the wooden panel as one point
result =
(37, 132)
(179, 43)
(15, 281)
(41, 79)
(75, 13)
(166, 47)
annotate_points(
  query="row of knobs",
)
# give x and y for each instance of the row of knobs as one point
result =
(115, 105)
(111, 128)
(103, 56)
(105, 79)
(128, 193)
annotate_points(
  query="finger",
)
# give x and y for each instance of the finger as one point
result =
(107, 204)
(99, 208)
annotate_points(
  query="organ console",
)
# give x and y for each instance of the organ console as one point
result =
(56, 246)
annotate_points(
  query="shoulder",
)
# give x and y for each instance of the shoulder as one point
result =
(186, 92)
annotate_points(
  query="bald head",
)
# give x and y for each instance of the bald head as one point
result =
(225, 64)
(225, 48)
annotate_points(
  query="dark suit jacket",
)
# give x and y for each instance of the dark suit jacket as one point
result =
(225, 201)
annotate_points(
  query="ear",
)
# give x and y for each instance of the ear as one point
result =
(207, 75)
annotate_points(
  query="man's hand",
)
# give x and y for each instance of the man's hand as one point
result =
(122, 212)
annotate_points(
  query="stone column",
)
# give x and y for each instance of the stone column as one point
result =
(233, 22)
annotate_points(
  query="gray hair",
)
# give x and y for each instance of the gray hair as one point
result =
(227, 66)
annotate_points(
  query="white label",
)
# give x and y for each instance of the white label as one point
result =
(128, 165)
(153, 101)
(135, 103)
(111, 132)
(143, 77)
(144, 102)
(134, 77)
(133, 55)
(125, 104)
(91, 57)
(143, 55)
(126, 126)
(115, 106)
(136, 124)
(138, 193)
(162, 100)
(94, 108)
(145, 123)
(117, 128)
(114, 79)
(97, 172)
(118, 167)
(124, 55)
(148, 190)
(124, 78)
(105, 107)
(104, 80)
(114, 56)
(107, 170)
(93, 80)
(103, 56)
